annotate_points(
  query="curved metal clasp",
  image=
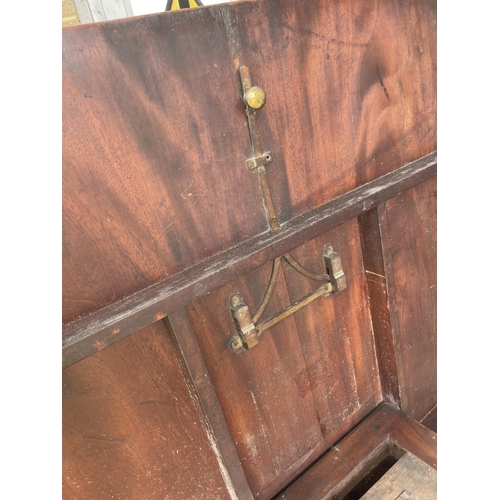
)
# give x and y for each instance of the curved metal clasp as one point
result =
(249, 332)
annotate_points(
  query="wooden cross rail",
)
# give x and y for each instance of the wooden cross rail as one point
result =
(89, 334)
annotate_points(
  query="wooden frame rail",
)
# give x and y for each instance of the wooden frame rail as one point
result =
(88, 334)
(338, 472)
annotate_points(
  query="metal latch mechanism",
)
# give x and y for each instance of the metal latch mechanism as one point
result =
(249, 330)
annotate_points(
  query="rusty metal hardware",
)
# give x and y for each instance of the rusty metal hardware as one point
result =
(261, 161)
(334, 281)
(335, 272)
(255, 96)
(249, 331)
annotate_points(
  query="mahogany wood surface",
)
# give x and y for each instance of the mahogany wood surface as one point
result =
(351, 91)
(335, 474)
(95, 331)
(179, 326)
(265, 393)
(160, 213)
(409, 240)
(430, 420)
(311, 378)
(336, 335)
(131, 428)
(155, 135)
(385, 325)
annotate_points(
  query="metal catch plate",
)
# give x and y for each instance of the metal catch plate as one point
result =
(259, 161)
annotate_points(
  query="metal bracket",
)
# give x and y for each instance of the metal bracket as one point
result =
(259, 161)
(249, 332)
(254, 99)
(335, 271)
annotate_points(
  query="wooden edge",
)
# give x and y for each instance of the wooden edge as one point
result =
(89, 334)
(392, 308)
(348, 461)
(210, 412)
(414, 437)
(430, 420)
(384, 327)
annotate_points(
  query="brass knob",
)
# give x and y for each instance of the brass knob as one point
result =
(255, 98)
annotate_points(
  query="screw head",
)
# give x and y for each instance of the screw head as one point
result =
(236, 344)
(255, 98)
(235, 300)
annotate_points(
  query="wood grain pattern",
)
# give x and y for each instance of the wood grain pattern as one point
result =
(351, 90)
(159, 212)
(155, 137)
(325, 351)
(409, 478)
(265, 393)
(154, 143)
(409, 241)
(180, 327)
(336, 335)
(378, 273)
(131, 428)
(340, 469)
(95, 331)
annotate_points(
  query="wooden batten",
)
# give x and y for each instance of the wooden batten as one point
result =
(249, 250)
(91, 333)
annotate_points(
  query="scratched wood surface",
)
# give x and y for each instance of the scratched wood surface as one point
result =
(131, 428)
(351, 90)
(95, 331)
(336, 335)
(154, 181)
(155, 136)
(311, 378)
(409, 240)
(409, 478)
(385, 325)
(265, 393)
(154, 143)
(385, 431)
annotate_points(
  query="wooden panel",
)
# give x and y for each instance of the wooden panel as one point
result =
(178, 323)
(131, 428)
(351, 91)
(409, 240)
(87, 335)
(316, 367)
(265, 393)
(336, 335)
(341, 468)
(154, 143)
(409, 478)
(155, 137)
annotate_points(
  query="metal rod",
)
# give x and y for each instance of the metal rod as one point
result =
(308, 274)
(293, 308)
(269, 290)
(246, 83)
(268, 200)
